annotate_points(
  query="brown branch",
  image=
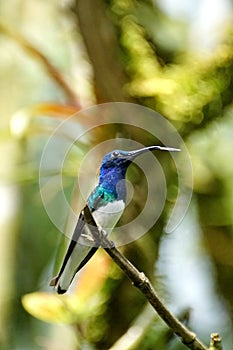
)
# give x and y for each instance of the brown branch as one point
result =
(100, 37)
(140, 281)
(51, 69)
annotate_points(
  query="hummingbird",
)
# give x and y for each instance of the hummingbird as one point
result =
(106, 203)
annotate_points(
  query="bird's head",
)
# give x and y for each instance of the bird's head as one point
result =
(122, 159)
(118, 161)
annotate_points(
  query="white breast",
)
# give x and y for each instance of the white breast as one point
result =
(107, 216)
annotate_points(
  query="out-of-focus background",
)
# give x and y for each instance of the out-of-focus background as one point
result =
(57, 57)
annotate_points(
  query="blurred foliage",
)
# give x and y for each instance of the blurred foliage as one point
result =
(48, 72)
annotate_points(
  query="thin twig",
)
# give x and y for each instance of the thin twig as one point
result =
(51, 69)
(133, 336)
(140, 281)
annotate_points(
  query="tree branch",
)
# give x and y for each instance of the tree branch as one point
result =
(40, 57)
(100, 38)
(140, 281)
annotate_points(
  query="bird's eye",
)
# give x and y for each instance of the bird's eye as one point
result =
(115, 154)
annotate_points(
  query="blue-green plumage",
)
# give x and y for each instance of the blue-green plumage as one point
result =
(100, 197)
(106, 202)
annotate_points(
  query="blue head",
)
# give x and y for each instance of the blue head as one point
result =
(114, 166)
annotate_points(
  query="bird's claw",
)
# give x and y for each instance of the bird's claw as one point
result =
(104, 234)
(112, 245)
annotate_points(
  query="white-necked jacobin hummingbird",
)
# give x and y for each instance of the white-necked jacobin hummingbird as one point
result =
(107, 203)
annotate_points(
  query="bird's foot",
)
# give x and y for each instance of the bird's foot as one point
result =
(104, 233)
(112, 245)
(88, 236)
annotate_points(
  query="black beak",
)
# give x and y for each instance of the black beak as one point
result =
(133, 154)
